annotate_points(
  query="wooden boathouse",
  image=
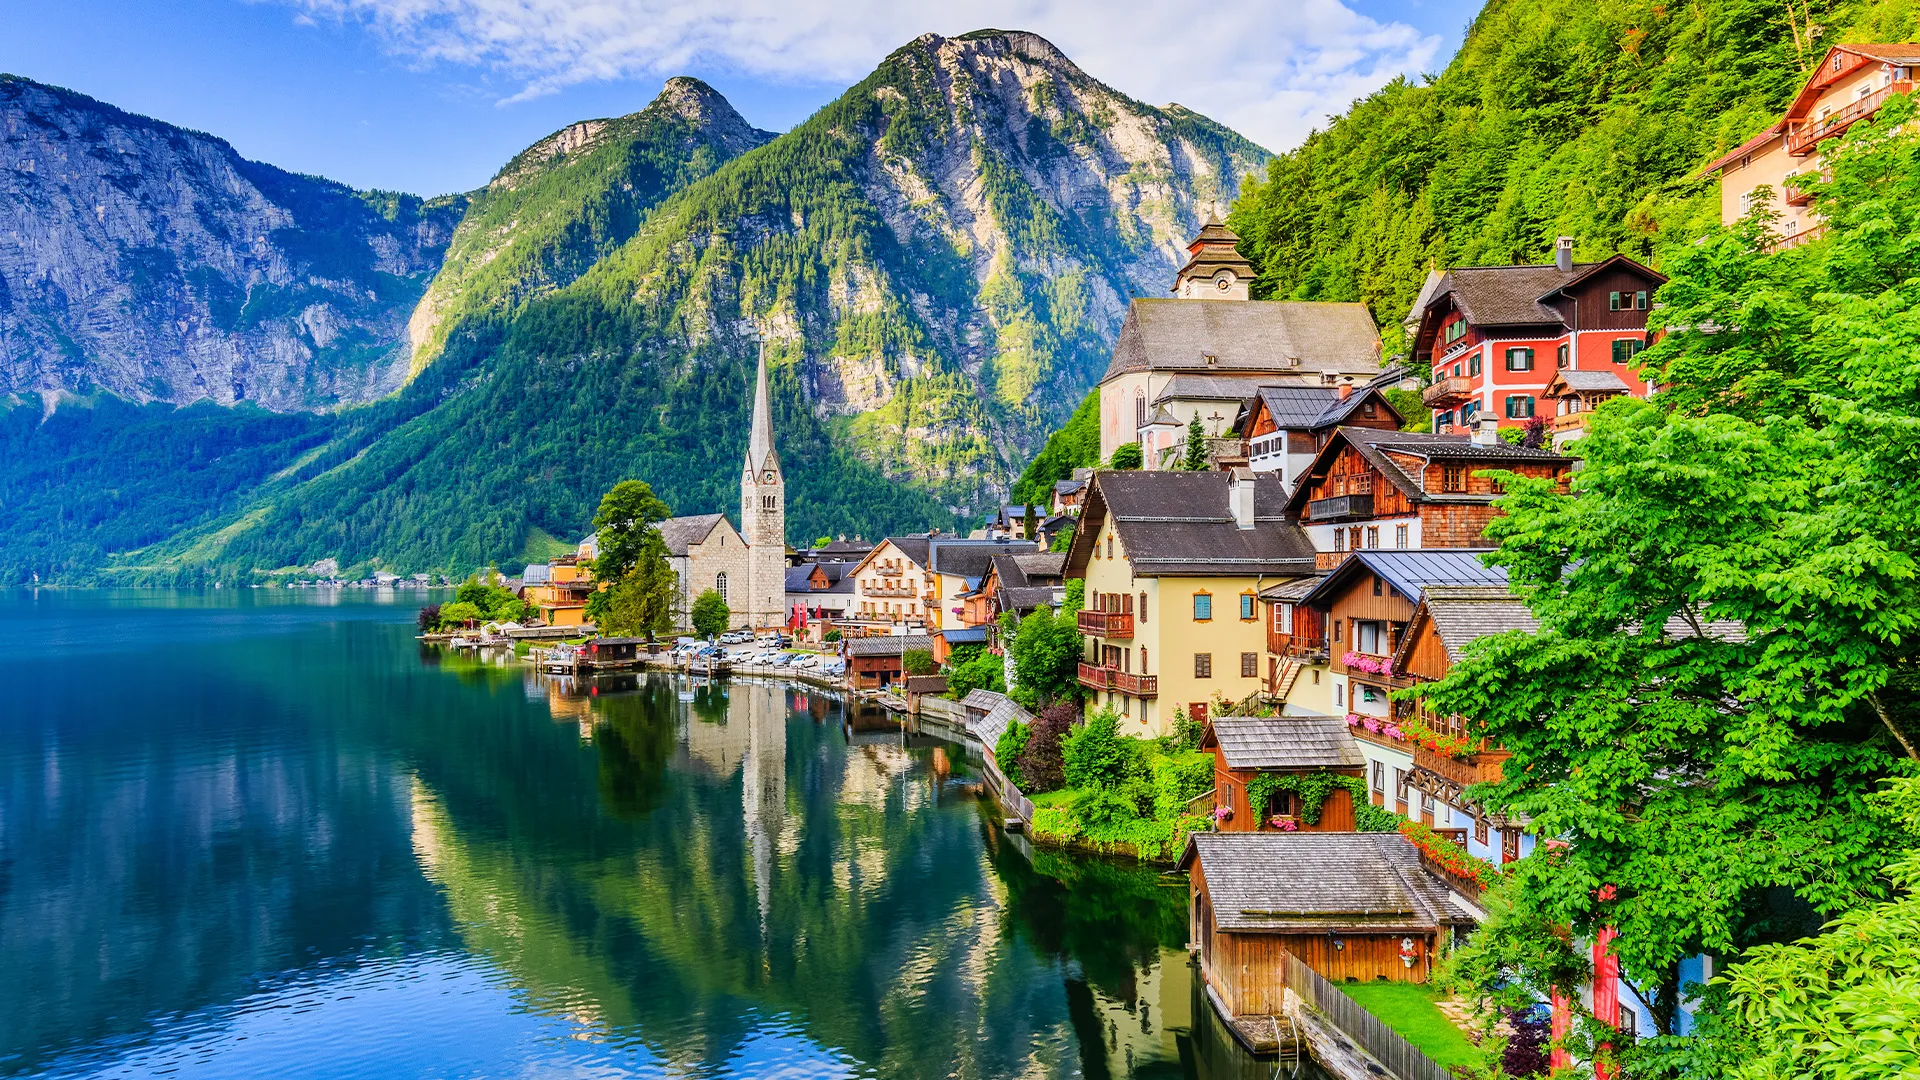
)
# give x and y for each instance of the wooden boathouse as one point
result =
(1245, 748)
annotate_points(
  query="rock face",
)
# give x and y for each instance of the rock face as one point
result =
(157, 264)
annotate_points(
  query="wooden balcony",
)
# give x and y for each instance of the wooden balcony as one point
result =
(1106, 624)
(1801, 139)
(1804, 236)
(1573, 421)
(1096, 677)
(1340, 508)
(1482, 767)
(1447, 393)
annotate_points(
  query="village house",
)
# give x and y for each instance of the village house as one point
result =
(1286, 426)
(1067, 493)
(1574, 395)
(1848, 85)
(818, 593)
(1222, 347)
(559, 588)
(1174, 563)
(875, 663)
(1020, 584)
(1347, 905)
(1297, 679)
(1247, 748)
(1369, 489)
(919, 581)
(1493, 336)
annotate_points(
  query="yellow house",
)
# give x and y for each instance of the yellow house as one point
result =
(1174, 564)
(918, 581)
(1849, 84)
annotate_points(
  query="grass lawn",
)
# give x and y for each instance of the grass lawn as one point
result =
(1408, 1008)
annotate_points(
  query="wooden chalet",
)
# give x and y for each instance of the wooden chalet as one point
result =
(1348, 905)
(1574, 395)
(1370, 489)
(874, 663)
(1286, 425)
(1246, 747)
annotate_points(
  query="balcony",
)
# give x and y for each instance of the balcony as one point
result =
(1573, 421)
(1804, 236)
(1802, 137)
(889, 590)
(1340, 508)
(1107, 624)
(1447, 393)
(1796, 195)
(1482, 767)
(1096, 677)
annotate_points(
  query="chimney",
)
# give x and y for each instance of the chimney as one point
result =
(1240, 496)
(1487, 432)
(1346, 388)
(1563, 254)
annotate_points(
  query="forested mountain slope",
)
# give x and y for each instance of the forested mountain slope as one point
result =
(1557, 117)
(157, 264)
(936, 263)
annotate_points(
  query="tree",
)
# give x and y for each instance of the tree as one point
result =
(1046, 653)
(1196, 456)
(1729, 599)
(460, 613)
(1063, 539)
(1097, 755)
(1041, 764)
(971, 668)
(633, 558)
(428, 620)
(1126, 456)
(710, 615)
(629, 513)
(1031, 520)
(918, 662)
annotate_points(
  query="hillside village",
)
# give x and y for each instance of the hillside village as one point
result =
(1283, 548)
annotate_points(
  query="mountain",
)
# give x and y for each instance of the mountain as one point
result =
(156, 264)
(1555, 118)
(936, 263)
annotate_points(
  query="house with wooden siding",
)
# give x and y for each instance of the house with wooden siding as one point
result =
(1571, 398)
(1286, 426)
(1493, 336)
(1369, 489)
(874, 663)
(1348, 905)
(1296, 658)
(1245, 748)
(1174, 563)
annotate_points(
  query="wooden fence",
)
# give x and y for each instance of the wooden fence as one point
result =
(1373, 1035)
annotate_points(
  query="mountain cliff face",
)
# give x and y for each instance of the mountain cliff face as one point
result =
(156, 264)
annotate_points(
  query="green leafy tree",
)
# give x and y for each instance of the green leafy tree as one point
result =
(1007, 751)
(1063, 539)
(1195, 459)
(460, 613)
(1075, 445)
(710, 615)
(633, 557)
(1097, 755)
(1127, 456)
(629, 514)
(978, 669)
(1046, 657)
(918, 662)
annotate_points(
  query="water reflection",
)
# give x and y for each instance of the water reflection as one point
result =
(249, 858)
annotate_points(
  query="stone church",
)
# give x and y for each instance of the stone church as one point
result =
(747, 566)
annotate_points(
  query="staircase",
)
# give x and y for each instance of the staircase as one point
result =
(1289, 672)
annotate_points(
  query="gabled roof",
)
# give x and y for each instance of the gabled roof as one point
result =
(1592, 382)
(889, 645)
(1822, 75)
(1517, 295)
(1067, 487)
(1773, 132)
(970, 558)
(1411, 572)
(1462, 614)
(681, 533)
(1315, 408)
(1278, 336)
(1283, 742)
(1180, 523)
(537, 574)
(1374, 445)
(1292, 591)
(998, 711)
(1290, 882)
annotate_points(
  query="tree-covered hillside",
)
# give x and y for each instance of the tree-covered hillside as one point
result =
(1555, 118)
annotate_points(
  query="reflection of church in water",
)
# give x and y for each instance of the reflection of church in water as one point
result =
(753, 741)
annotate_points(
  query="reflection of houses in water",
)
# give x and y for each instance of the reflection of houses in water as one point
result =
(570, 698)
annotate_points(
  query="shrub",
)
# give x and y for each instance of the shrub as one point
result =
(429, 618)
(1103, 810)
(830, 635)
(1186, 730)
(1127, 456)
(710, 615)
(1041, 763)
(1370, 818)
(1013, 742)
(459, 613)
(918, 662)
(980, 670)
(1179, 779)
(1312, 788)
(1096, 755)
(1526, 1051)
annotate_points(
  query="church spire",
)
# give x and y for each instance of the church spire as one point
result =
(760, 455)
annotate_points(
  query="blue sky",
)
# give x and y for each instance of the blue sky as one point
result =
(431, 96)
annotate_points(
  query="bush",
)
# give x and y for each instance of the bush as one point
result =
(429, 618)
(1013, 742)
(710, 615)
(1096, 755)
(1102, 810)
(979, 671)
(1041, 763)
(918, 662)
(1370, 818)
(1127, 456)
(459, 613)
(1178, 779)
(1526, 1052)
(830, 635)
(1186, 730)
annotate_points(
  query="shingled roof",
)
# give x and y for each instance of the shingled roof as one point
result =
(1461, 614)
(681, 533)
(1180, 523)
(1284, 742)
(1292, 882)
(1378, 447)
(1592, 382)
(1277, 336)
(889, 645)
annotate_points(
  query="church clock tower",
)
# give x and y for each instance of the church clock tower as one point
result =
(763, 517)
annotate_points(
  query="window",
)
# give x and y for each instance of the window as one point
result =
(1249, 665)
(1746, 206)
(1519, 406)
(1380, 777)
(1426, 805)
(1283, 618)
(1336, 697)
(720, 585)
(1400, 788)
(1469, 413)
(1246, 607)
(1203, 665)
(1480, 829)
(1613, 298)
(1139, 408)
(1453, 478)
(1456, 371)
(1202, 607)
(1625, 349)
(1443, 421)
(1629, 1019)
(1376, 585)
(1837, 61)
(1369, 409)
(1456, 330)
(1373, 536)
(1560, 357)
(1339, 539)
(1143, 607)
(1861, 91)
(1109, 547)
(1473, 364)
(1399, 536)
(766, 503)
(1640, 300)
(1519, 359)
(1367, 637)
(1745, 160)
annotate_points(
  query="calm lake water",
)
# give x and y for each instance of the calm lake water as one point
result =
(266, 833)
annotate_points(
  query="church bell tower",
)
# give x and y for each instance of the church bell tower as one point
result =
(763, 516)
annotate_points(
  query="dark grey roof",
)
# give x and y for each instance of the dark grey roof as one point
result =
(1375, 445)
(1026, 598)
(1466, 613)
(981, 700)
(1246, 335)
(1068, 487)
(1286, 742)
(845, 548)
(1292, 591)
(1413, 572)
(1508, 295)
(915, 547)
(1179, 523)
(1210, 387)
(889, 645)
(1042, 564)
(798, 577)
(1274, 882)
(1590, 381)
(998, 711)
(971, 558)
(681, 533)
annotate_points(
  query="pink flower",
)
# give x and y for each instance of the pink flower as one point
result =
(1371, 724)
(1353, 719)
(1392, 732)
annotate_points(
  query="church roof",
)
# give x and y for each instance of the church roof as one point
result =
(1214, 248)
(1291, 337)
(681, 533)
(760, 454)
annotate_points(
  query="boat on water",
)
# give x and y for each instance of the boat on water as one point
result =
(465, 643)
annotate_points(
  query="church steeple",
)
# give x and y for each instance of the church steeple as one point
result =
(760, 455)
(1215, 269)
(763, 514)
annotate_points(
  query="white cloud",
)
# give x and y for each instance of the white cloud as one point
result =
(1271, 70)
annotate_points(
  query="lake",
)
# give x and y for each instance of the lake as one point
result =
(252, 833)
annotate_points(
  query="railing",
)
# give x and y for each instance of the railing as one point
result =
(1329, 560)
(888, 590)
(1448, 391)
(1804, 236)
(1339, 507)
(1459, 883)
(1482, 767)
(1801, 196)
(1573, 421)
(1802, 137)
(1106, 624)
(1364, 1028)
(1095, 677)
